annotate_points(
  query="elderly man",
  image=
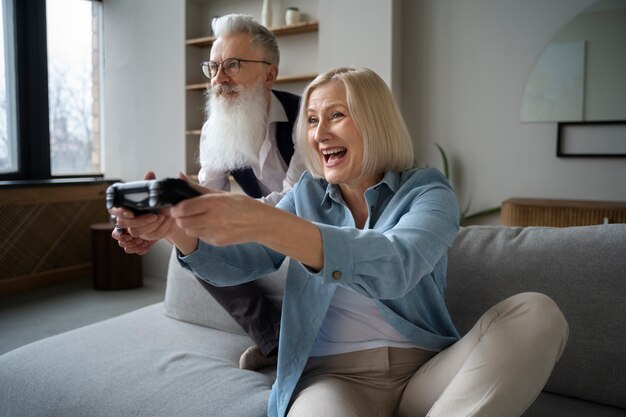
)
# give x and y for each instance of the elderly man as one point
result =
(248, 135)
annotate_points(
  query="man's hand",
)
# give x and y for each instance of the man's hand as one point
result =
(131, 244)
(137, 234)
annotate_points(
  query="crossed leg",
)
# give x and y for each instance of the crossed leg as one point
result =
(497, 369)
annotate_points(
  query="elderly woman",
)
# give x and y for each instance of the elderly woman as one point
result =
(365, 330)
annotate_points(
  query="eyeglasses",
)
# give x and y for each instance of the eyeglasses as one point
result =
(230, 67)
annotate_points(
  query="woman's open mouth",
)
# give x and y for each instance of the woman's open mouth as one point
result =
(333, 156)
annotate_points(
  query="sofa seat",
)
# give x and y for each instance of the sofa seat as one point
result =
(142, 363)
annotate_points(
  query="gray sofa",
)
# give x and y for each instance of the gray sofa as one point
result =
(179, 358)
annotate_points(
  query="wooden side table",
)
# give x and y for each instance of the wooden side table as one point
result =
(113, 269)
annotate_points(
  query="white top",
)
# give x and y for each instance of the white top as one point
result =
(353, 322)
(275, 177)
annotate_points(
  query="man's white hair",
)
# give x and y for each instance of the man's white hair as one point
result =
(240, 23)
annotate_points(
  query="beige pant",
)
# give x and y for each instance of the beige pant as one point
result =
(497, 369)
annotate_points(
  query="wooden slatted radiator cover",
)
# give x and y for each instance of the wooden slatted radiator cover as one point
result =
(46, 234)
(560, 213)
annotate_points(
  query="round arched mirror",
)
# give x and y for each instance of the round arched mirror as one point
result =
(581, 74)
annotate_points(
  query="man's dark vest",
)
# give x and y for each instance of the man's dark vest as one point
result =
(245, 177)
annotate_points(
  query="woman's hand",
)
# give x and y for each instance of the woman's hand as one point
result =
(220, 219)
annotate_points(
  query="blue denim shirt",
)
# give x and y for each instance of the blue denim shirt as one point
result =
(399, 259)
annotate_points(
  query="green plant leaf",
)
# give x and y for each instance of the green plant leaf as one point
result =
(464, 216)
(485, 212)
(444, 157)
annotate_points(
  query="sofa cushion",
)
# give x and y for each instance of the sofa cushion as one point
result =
(582, 268)
(554, 405)
(187, 300)
(139, 364)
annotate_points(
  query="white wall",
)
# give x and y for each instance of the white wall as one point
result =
(464, 71)
(143, 87)
(144, 95)
(357, 33)
(464, 65)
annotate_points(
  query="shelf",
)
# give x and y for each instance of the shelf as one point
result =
(194, 132)
(195, 87)
(304, 27)
(280, 80)
(296, 78)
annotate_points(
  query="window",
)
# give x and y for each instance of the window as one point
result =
(72, 86)
(8, 137)
(50, 90)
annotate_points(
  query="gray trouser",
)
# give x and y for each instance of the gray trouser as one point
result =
(252, 310)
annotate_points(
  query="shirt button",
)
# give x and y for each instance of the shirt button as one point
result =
(336, 275)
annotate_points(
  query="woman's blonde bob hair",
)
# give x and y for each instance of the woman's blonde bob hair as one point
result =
(387, 145)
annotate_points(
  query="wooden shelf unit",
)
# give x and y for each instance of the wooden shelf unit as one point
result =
(305, 27)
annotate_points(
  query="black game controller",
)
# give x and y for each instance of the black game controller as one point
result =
(148, 196)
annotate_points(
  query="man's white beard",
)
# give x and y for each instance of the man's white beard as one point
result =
(235, 129)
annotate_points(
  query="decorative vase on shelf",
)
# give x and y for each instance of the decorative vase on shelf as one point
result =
(292, 16)
(266, 13)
